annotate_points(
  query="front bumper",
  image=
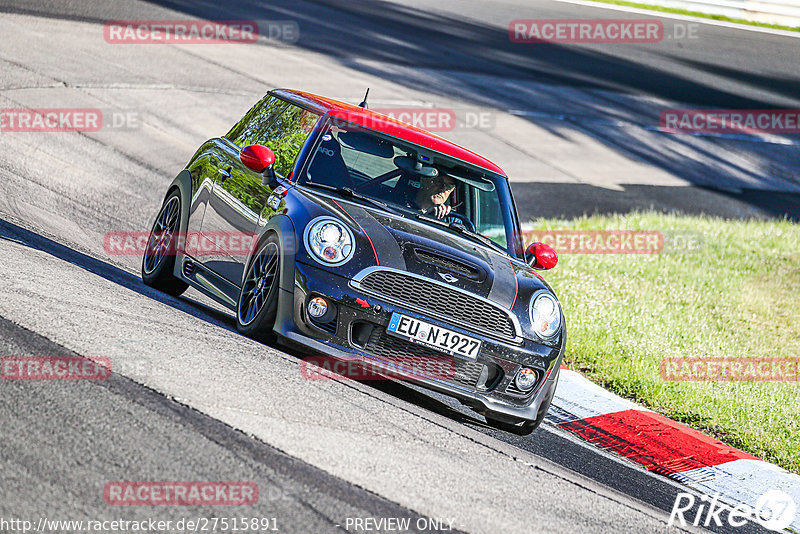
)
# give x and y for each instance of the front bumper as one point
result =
(358, 330)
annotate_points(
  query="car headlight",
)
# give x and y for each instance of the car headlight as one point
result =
(545, 315)
(329, 241)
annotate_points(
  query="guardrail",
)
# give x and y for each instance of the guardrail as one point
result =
(783, 12)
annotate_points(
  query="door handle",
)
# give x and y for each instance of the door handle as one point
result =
(224, 174)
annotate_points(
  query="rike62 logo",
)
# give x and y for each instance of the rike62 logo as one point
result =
(774, 510)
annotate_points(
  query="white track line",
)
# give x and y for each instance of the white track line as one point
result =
(701, 20)
(578, 398)
(741, 481)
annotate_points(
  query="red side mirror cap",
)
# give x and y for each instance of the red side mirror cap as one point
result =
(257, 157)
(541, 256)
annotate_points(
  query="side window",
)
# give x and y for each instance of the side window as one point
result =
(256, 122)
(287, 135)
(279, 125)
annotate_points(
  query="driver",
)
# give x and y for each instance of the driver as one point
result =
(433, 193)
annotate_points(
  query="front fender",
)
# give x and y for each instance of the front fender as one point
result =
(283, 227)
(183, 183)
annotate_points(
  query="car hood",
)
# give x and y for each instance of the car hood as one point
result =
(404, 244)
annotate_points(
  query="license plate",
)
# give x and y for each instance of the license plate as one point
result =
(434, 336)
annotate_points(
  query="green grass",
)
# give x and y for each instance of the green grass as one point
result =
(735, 292)
(698, 14)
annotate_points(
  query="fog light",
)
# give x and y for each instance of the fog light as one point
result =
(526, 379)
(317, 307)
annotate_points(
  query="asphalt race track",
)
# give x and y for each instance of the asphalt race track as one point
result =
(575, 127)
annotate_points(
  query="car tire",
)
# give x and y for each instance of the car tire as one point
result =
(258, 299)
(524, 427)
(158, 261)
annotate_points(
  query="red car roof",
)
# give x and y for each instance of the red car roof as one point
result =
(384, 124)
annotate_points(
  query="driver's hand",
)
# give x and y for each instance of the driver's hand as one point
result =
(441, 211)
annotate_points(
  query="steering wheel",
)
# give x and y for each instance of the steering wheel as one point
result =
(462, 219)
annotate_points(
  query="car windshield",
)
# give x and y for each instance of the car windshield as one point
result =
(437, 189)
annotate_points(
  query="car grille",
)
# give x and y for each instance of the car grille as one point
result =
(407, 354)
(329, 327)
(441, 300)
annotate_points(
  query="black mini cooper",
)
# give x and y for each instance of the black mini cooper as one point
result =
(374, 241)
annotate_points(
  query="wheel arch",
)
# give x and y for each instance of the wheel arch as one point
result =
(183, 184)
(283, 228)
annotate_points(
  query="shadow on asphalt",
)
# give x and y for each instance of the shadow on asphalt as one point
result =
(544, 442)
(286, 484)
(437, 54)
(377, 37)
(12, 232)
(389, 33)
(567, 201)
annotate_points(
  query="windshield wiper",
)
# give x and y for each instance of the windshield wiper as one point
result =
(349, 193)
(461, 229)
